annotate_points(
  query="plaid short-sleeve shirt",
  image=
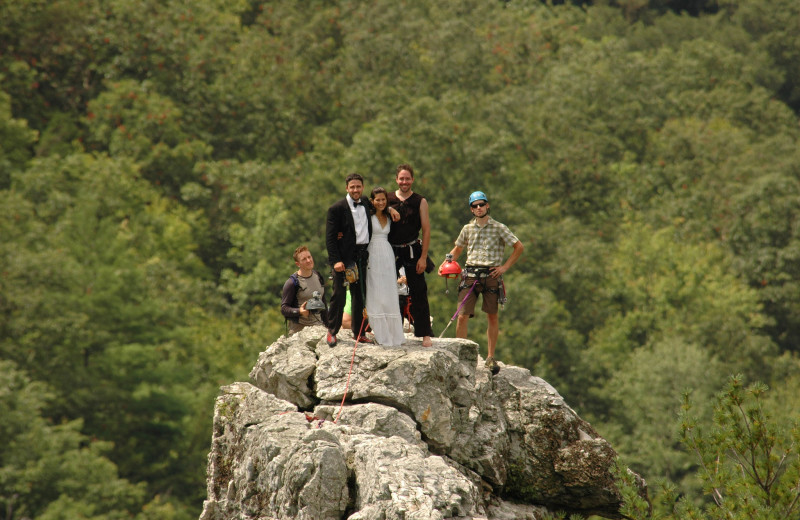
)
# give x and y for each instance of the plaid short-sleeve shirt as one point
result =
(485, 245)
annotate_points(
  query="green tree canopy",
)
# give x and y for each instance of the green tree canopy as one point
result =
(160, 161)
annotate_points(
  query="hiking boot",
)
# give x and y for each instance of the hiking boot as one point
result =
(331, 340)
(365, 340)
(492, 365)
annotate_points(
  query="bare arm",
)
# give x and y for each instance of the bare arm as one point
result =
(426, 235)
(515, 254)
(456, 252)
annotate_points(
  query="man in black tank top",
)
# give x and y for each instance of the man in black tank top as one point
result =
(410, 251)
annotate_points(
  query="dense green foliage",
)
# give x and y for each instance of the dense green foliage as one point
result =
(160, 161)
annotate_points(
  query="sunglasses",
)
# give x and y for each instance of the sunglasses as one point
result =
(478, 205)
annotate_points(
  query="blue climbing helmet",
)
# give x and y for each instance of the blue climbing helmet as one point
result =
(478, 195)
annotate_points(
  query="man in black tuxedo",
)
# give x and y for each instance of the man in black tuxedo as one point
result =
(348, 229)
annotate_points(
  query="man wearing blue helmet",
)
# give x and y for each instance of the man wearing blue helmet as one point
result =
(485, 240)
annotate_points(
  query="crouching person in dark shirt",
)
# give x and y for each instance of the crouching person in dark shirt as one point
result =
(303, 300)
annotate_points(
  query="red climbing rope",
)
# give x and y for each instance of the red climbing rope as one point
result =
(352, 359)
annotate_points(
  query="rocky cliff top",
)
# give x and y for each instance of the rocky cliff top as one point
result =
(423, 433)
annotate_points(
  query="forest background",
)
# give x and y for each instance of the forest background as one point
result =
(160, 161)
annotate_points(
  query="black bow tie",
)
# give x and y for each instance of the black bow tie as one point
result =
(356, 202)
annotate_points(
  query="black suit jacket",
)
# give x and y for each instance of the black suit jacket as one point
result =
(340, 220)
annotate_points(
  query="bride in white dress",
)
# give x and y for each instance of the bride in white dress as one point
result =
(383, 304)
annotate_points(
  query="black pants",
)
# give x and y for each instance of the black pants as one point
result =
(417, 288)
(357, 292)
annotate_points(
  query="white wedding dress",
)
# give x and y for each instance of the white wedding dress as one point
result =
(383, 304)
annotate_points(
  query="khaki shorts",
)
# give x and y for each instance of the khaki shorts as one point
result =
(490, 289)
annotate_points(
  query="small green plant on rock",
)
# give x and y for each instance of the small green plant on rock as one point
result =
(749, 466)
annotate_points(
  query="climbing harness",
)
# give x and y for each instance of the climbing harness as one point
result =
(481, 273)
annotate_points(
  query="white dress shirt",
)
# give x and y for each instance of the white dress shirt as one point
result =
(360, 219)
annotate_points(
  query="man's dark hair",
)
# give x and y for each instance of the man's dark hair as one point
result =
(401, 167)
(353, 177)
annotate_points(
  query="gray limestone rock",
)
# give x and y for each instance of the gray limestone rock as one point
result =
(373, 433)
